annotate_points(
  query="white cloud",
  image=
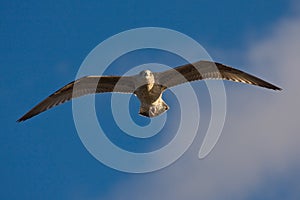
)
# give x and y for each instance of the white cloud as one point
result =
(261, 134)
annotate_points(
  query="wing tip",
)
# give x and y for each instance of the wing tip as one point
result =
(273, 87)
(26, 117)
(22, 119)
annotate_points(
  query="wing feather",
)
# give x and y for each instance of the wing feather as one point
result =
(208, 70)
(83, 86)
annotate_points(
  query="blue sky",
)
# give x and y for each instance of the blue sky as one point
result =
(42, 47)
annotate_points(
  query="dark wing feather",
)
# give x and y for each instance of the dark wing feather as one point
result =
(208, 70)
(81, 87)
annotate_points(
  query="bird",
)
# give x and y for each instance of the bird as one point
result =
(147, 86)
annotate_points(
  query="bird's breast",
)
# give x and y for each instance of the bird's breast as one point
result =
(148, 94)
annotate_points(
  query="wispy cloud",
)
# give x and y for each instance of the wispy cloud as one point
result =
(261, 133)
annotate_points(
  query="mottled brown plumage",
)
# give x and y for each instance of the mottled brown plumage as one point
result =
(147, 86)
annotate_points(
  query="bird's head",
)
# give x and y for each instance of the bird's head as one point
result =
(147, 75)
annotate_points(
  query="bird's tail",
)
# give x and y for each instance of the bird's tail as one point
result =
(153, 110)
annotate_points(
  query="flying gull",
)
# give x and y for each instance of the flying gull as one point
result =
(147, 86)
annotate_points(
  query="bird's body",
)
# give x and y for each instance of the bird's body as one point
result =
(147, 86)
(149, 92)
(151, 100)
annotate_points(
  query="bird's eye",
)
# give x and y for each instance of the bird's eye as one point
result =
(148, 73)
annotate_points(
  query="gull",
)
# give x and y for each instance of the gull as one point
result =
(147, 86)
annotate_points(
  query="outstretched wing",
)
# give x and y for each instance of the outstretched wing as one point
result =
(81, 87)
(208, 70)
